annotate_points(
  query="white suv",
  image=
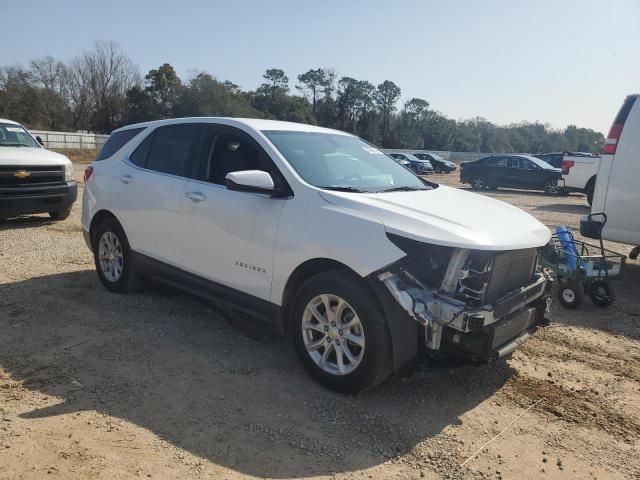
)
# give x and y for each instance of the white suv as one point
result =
(361, 261)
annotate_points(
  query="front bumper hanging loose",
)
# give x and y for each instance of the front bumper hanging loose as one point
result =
(483, 333)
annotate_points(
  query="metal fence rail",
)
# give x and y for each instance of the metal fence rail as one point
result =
(89, 141)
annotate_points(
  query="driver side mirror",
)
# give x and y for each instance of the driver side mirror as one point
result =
(39, 140)
(256, 181)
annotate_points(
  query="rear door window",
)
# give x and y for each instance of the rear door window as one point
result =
(174, 150)
(116, 141)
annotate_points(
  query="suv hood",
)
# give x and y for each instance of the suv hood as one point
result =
(26, 156)
(447, 216)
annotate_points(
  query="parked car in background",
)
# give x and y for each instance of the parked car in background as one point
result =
(400, 161)
(440, 165)
(357, 258)
(512, 171)
(617, 191)
(579, 170)
(32, 178)
(421, 167)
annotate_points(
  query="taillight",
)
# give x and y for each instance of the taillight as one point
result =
(611, 143)
(87, 173)
(566, 166)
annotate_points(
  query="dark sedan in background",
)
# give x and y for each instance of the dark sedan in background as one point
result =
(512, 171)
(421, 167)
(439, 164)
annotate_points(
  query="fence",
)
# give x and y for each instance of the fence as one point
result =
(89, 141)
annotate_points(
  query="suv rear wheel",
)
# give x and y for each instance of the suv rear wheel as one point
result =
(112, 257)
(340, 333)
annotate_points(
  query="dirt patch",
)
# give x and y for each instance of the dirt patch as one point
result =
(160, 385)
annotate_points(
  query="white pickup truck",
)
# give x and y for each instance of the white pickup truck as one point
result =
(578, 170)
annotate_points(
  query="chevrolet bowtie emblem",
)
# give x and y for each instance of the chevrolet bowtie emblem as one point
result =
(21, 174)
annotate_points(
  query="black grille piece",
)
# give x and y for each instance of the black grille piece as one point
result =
(510, 270)
(16, 176)
(512, 326)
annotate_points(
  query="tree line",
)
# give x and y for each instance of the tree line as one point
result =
(102, 89)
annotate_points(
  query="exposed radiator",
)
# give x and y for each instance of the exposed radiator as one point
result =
(510, 270)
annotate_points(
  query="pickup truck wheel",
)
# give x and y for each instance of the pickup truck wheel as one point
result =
(551, 187)
(60, 214)
(589, 193)
(112, 257)
(340, 333)
(478, 182)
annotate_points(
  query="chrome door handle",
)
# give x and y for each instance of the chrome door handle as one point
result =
(126, 179)
(195, 196)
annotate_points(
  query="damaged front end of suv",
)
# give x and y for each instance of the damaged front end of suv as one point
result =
(477, 304)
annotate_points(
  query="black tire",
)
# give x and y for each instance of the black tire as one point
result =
(59, 215)
(479, 182)
(129, 280)
(570, 294)
(589, 192)
(601, 293)
(376, 363)
(551, 187)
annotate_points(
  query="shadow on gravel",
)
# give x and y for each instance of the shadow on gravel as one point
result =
(565, 208)
(18, 223)
(175, 366)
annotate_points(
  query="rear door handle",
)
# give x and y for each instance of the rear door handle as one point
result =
(195, 196)
(126, 179)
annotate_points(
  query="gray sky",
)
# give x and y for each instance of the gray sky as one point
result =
(560, 62)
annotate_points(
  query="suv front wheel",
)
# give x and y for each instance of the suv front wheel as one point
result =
(340, 333)
(112, 257)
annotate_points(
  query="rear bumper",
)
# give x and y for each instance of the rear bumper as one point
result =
(37, 199)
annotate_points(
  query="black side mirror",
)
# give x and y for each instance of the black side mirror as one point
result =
(39, 140)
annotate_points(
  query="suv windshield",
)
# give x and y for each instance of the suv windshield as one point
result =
(12, 135)
(342, 162)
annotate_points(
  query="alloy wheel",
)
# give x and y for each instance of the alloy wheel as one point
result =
(333, 334)
(111, 257)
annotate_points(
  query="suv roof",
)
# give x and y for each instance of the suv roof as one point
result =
(253, 123)
(4, 120)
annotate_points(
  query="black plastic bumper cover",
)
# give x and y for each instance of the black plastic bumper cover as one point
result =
(37, 199)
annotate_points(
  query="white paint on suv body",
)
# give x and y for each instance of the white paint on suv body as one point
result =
(276, 234)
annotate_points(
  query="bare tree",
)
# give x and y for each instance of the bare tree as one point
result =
(49, 76)
(100, 81)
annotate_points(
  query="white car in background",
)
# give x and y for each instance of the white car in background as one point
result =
(356, 257)
(617, 188)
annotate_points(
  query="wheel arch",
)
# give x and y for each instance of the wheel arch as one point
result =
(590, 183)
(301, 274)
(97, 219)
(403, 330)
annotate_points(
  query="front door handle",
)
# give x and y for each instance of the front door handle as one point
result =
(195, 196)
(126, 179)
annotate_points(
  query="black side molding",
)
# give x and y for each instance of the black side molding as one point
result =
(207, 289)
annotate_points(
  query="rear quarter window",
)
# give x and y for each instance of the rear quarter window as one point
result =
(116, 141)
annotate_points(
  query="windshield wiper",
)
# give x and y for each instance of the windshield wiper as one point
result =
(402, 189)
(341, 188)
(13, 145)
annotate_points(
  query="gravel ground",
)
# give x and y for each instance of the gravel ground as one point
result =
(159, 385)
